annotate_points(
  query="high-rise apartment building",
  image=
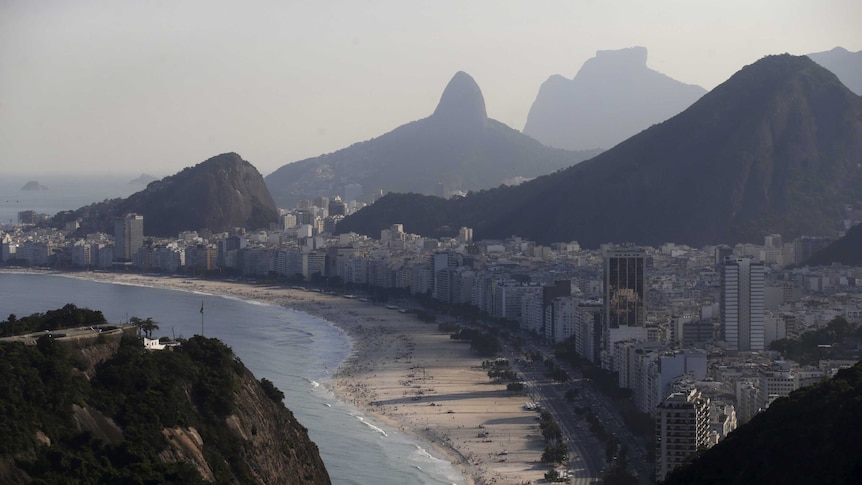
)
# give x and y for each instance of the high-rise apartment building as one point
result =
(742, 304)
(623, 307)
(128, 237)
(625, 289)
(682, 428)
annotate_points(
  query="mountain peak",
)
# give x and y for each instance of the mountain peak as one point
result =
(462, 102)
(613, 96)
(844, 64)
(634, 56)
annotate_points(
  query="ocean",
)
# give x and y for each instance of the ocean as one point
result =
(64, 192)
(296, 351)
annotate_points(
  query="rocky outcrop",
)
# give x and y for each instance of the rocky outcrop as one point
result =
(101, 427)
(613, 96)
(186, 445)
(462, 105)
(277, 447)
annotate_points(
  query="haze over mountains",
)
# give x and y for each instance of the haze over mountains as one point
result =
(777, 148)
(613, 97)
(457, 148)
(844, 64)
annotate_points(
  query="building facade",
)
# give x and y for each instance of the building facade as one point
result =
(682, 428)
(742, 304)
(128, 237)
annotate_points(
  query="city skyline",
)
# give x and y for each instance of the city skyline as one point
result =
(160, 86)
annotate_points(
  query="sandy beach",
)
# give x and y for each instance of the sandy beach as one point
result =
(410, 376)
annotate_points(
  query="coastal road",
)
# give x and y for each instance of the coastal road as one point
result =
(613, 422)
(588, 454)
(586, 459)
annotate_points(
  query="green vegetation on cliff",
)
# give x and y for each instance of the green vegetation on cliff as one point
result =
(138, 416)
(68, 316)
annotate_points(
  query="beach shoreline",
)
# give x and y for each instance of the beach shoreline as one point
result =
(405, 373)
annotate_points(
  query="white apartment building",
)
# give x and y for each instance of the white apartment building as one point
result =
(682, 428)
(742, 304)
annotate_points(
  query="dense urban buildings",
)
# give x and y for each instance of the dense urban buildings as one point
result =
(684, 329)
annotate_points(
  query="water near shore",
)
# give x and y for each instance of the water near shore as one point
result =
(297, 351)
(64, 192)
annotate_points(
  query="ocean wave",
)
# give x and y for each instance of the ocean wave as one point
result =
(375, 428)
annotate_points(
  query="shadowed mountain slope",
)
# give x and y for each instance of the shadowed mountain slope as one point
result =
(777, 148)
(613, 97)
(846, 250)
(809, 437)
(457, 148)
(219, 194)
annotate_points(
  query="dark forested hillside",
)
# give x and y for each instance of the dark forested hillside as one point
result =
(218, 194)
(810, 437)
(847, 250)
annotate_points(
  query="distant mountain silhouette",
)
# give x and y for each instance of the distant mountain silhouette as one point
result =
(33, 185)
(457, 148)
(143, 179)
(775, 149)
(810, 437)
(846, 250)
(613, 97)
(219, 194)
(846, 65)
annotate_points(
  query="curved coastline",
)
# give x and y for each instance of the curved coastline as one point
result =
(451, 407)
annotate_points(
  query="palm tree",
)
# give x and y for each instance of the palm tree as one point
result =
(146, 326)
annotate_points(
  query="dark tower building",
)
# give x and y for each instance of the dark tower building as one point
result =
(128, 237)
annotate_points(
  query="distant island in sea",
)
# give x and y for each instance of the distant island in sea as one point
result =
(33, 185)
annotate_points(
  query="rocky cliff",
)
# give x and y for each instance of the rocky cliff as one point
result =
(614, 96)
(120, 413)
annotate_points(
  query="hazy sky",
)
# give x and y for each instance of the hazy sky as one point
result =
(156, 86)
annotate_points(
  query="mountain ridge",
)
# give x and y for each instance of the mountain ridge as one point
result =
(613, 96)
(845, 64)
(454, 150)
(774, 149)
(219, 194)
